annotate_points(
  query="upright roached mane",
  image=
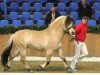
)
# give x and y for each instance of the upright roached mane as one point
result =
(49, 39)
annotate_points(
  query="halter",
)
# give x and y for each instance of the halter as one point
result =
(69, 28)
(69, 32)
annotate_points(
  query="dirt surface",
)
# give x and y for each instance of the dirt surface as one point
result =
(54, 67)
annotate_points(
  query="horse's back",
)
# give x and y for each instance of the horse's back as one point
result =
(23, 33)
(29, 37)
(26, 32)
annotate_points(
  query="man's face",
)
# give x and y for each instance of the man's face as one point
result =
(84, 21)
(53, 10)
(83, 2)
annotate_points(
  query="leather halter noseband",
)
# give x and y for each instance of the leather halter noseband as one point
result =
(69, 28)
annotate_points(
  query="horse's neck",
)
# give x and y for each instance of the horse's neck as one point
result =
(56, 28)
(57, 23)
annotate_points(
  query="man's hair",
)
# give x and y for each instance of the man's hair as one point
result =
(81, 0)
(53, 8)
(85, 17)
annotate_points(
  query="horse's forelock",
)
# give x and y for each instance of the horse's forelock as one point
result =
(69, 19)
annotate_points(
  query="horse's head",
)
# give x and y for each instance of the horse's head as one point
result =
(69, 28)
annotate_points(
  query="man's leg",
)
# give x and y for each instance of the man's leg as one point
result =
(84, 51)
(77, 55)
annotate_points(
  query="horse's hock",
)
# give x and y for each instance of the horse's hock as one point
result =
(92, 42)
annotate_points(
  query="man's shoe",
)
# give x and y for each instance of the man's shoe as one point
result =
(70, 70)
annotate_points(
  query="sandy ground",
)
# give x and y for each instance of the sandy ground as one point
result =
(54, 67)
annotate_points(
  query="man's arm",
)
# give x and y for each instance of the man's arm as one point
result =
(78, 28)
(47, 18)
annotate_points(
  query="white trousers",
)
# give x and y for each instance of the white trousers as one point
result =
(80, 47)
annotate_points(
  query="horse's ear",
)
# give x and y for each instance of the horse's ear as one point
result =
(69, 19)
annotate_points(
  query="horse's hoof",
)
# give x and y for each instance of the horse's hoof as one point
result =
(40, 68)
(29, 70)
(6, 68)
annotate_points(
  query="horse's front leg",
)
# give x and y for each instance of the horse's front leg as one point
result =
(62, 57)
(48, 58)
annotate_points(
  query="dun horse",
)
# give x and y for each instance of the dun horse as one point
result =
(49, 39)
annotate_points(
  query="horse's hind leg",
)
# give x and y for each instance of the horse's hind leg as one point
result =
(23, 59)
(62, 57)
(14, 53)
(48, 57)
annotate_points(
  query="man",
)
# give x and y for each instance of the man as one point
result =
(79, 43)
(84, 9)
(51, 16)
(1, 17)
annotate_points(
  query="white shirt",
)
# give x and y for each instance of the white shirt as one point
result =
(53, 17)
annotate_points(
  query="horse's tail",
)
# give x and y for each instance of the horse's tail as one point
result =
(6, 52)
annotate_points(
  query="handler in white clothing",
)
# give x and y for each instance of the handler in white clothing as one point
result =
(79, 43)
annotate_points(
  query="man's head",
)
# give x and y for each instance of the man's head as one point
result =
(83, 2)
(53, 9)
(84, 19)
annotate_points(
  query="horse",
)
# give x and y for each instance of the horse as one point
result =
(49, 39)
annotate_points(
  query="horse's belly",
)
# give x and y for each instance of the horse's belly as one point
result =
(37, 46)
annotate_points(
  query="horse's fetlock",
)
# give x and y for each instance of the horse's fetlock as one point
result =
(40, 68)
(29, 70)
(6, 68)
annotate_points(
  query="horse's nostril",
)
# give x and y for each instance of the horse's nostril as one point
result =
(73, 33)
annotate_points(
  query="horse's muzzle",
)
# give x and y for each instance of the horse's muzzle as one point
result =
(72, 36)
